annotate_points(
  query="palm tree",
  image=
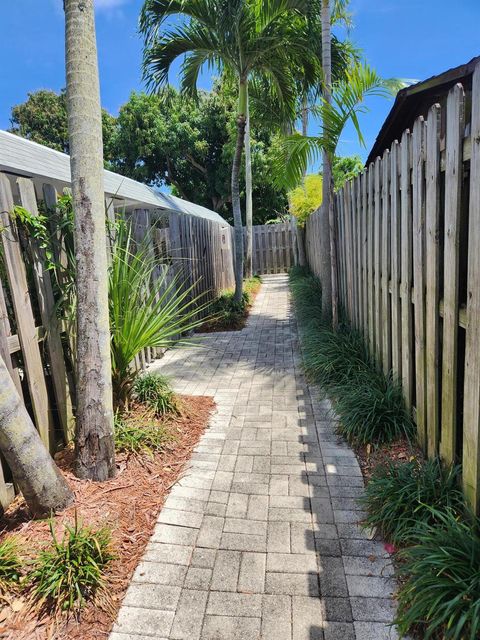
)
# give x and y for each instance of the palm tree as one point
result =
(94, 442)
(246, 38)
(34, 472)
(342, 105)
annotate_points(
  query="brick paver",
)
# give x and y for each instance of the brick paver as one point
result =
(260, 537)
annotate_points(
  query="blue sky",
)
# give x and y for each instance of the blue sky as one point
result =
(400, 38)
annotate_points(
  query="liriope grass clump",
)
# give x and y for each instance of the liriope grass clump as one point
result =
(155, 391)
(140, 433)
(403, 496)
(369, 404)
(440, 597)
(71, 570)
(10, 564)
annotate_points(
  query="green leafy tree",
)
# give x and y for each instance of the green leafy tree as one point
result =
(43, 119)
(167, 139)
(306, 198)
(344, 169)
(245, 38)
(170, 139)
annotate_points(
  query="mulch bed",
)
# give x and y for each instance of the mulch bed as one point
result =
(129, 504)
(369, 456)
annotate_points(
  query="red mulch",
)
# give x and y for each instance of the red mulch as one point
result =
(129, 504)
(370, 456)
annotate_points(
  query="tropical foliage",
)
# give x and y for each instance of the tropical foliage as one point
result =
(370, 405)
(43, 118)
(306, 198)
(254, 39)
(144, 311)
(348, 103)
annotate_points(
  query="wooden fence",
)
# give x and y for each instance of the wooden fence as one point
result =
(409, 273)
(272, 248)
(31, 339)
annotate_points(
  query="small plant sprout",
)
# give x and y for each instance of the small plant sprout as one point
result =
(70, 571)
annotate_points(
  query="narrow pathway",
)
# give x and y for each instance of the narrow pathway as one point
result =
(259, 538)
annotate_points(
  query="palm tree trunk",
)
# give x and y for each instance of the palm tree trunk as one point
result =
(94, 442)
(248, 197)
(237, 211)
(327, 267)
(34, 472)
(302, 254)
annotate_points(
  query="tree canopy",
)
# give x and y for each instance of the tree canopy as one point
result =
(43, 118)
(168, 140)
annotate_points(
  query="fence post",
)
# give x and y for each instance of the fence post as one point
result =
(471, 412)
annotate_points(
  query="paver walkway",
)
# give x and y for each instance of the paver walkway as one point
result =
(259, 538)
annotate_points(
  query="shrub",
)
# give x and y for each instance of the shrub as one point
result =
(441, 595)
(144, 312)
(373, 410)
(10, 564)
(155, 391)
(71, 571)
(370, 405)
(402, 496)
(139, 433)
(226, 313)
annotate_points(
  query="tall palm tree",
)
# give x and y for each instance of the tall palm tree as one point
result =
(246, 38)
(94, 442)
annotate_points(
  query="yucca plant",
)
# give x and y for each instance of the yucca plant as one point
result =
(155, 391)
(401, 496)
(69, 573)
(441, 595)
(10, 564)
(144, 311)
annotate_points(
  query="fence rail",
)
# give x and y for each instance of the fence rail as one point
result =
(409, 273)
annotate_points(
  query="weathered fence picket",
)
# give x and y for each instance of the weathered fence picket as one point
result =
(409, 273)
(273, 246)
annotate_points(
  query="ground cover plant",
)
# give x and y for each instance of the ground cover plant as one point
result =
(369, 404)
(69, 572)
(155, 391)
(138, 431)
(402, 496)
(126, 505)
(10, 564)
(229, 315)
(441, 595)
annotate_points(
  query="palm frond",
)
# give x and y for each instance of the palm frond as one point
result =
(155, 12)
(297, 152)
